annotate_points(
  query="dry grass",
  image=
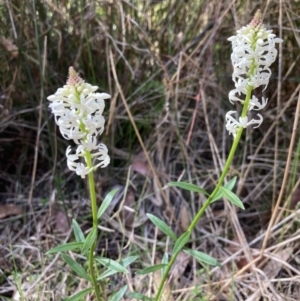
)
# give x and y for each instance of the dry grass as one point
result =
(167, 66)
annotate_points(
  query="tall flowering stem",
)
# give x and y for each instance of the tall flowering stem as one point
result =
(253, 52)
(95, 225)
(78, 113)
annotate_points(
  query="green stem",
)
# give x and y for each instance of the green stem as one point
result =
(212, 195)
(88, 159)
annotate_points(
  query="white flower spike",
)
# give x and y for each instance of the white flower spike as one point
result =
(253, 52)
(78, 113)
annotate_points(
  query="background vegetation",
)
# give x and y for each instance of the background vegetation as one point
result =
(166, 64)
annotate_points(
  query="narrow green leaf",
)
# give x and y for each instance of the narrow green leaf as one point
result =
(203, 258)
(106, 274)
(139, 296)
(118, 295)
(181, 241)
(219, 195)
(125, 262)
(66, 247)
(79, 295)
(78, 269)
(90, 239)
(165, 260)
(230, 184)
(111, 264)
(162, 226)
(77, 231)
(106, 202)
(232, 197)
(151, 269)
(188, 186)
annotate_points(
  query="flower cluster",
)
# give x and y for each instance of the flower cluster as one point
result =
(78, 113)
(253, 53)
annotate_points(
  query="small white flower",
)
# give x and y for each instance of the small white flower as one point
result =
(260, 78)
(71, 157)
(80, 169)
(94, 124)
(232, 96)
(241, 84)
(256, 105)
(90, 143)
(74, 133)
(232, 125)
(102, 155)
